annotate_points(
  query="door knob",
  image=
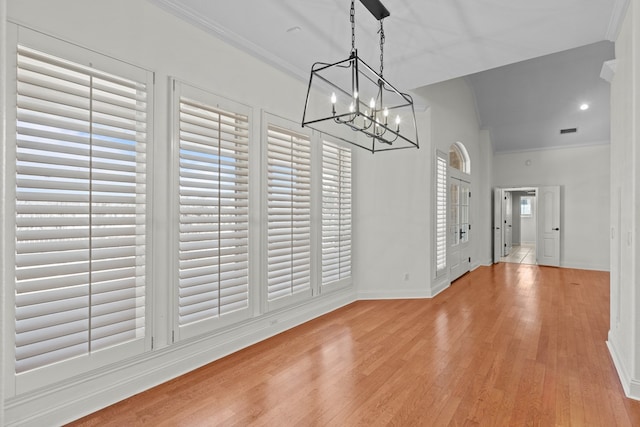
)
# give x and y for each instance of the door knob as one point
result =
(556, 229)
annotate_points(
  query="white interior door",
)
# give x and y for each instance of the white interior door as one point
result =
(508, 223)
(497, 225)
(548, 247)
(459, 227)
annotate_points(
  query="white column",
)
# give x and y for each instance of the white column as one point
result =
(624, 332)
(634, 9)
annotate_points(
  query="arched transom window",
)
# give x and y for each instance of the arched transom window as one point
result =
(459, 158)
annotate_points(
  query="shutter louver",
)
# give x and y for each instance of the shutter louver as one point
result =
(288, 213)
(80, 210)
(214, 212)
(336, 213)
(441, 214)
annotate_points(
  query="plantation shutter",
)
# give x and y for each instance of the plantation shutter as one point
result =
(80, 210)
(288, 213)
(441, 213)
(214, 211)
(336, 213)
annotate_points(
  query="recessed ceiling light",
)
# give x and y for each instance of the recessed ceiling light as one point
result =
(584, 106)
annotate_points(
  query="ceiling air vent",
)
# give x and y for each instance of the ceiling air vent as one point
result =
(568, 130)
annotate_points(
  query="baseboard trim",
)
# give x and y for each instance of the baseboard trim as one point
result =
(630, 386)
(74, 399)
(580, 266)
(395, 294)
(437, 288)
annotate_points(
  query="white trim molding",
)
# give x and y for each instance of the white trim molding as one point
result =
(230, 37)
(608, 70)
(394, 294)
(630, 385)
(615, 21)
(440, 286)
(3, 144)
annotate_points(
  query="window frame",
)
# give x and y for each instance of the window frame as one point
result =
(269, 119)
(460, 152)
(181, 89)
(48, 374)
(529, 199)
(440, 190)
(342, 282)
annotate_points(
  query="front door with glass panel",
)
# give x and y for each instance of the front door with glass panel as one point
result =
(459, 227)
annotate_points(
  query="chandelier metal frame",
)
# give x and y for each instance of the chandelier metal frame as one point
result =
(350, 82)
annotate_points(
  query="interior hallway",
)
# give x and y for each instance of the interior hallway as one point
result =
(521, 254)
(509, 344)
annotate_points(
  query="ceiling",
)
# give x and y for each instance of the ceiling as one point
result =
(526, 104)
(427, 41)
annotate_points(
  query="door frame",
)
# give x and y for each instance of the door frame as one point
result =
(498, 217)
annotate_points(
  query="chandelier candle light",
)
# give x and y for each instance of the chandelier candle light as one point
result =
(337, 99)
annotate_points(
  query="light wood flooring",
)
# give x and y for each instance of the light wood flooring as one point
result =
(510, 344)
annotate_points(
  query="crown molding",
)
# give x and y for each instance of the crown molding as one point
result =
(615, 21)
(180, 11)
(608, 70)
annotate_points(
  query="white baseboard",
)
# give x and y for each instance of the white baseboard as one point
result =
(81, 396)
(585, 266)
(438, 287)
(394, 294)
(630, 386)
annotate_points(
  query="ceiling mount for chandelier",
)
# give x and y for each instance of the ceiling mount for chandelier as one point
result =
(349, 95)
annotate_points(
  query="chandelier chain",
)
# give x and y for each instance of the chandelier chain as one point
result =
(352, 17)
(382, 40)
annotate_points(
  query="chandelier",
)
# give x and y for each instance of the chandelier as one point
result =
(349, 96)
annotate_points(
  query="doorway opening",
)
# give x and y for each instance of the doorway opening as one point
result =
(526, 225)
(519, 230)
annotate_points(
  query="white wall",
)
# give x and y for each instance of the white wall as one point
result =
(392, 217)
(454, 119)
(584, 176)
(484, 231)
(394, 201)
(624, 334)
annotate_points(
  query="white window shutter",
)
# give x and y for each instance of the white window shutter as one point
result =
(288, 213)
(80, 210)
(214, 213)
(336, 213)
(441, 214)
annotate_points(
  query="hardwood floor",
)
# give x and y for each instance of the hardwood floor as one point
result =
(505, 345)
